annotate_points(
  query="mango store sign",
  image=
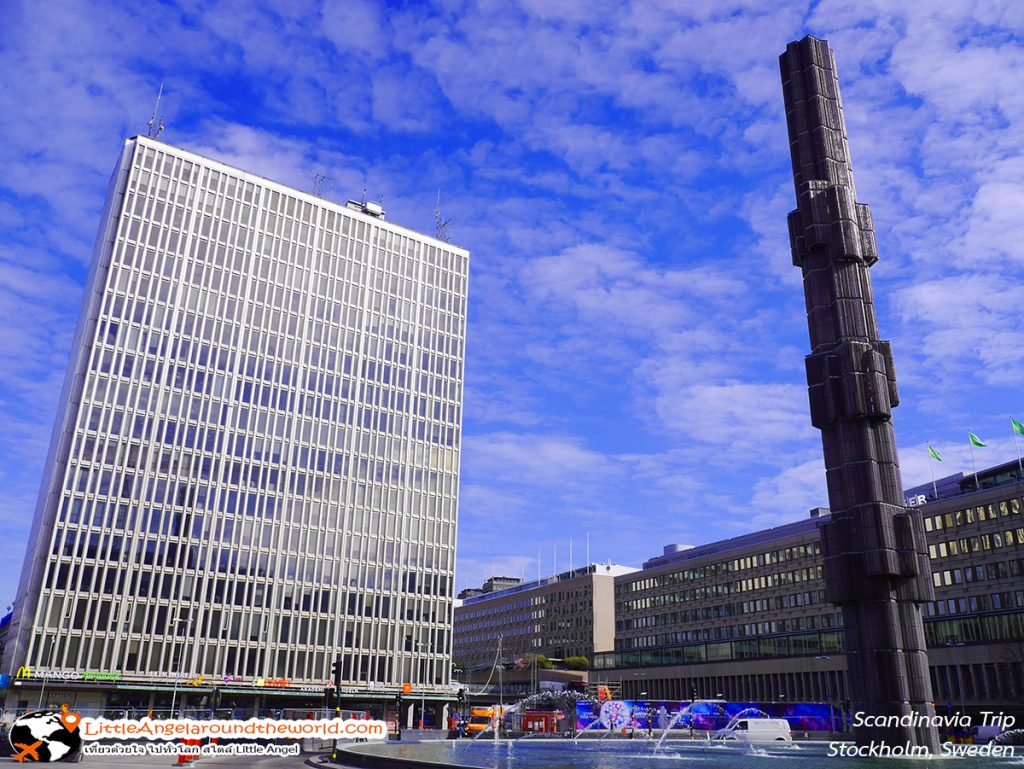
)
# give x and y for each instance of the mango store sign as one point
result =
(26, 673)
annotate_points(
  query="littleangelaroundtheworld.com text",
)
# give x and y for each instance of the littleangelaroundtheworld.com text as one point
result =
(146, 728)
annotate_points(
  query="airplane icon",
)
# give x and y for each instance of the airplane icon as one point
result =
(28, 752)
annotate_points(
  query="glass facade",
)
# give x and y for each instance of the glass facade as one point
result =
(256, 464)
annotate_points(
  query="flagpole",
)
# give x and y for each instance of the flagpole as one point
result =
(977, 484)
(1020, 466)
(931, 469)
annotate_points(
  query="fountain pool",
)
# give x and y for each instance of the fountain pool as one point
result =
(640, 754)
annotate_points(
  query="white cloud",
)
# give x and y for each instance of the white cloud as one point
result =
(356, 27)
(788, 496)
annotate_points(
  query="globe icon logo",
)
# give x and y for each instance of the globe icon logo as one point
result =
(45, 735)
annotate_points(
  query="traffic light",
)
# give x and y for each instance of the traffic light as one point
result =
(398, 716)
(336, 671)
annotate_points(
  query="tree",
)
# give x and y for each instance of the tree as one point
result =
(527, 661)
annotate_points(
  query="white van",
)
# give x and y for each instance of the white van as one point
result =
(756, 730)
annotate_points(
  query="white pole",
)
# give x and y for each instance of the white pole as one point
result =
(1020, 466)
(570, 555)
(501, 691)
(931, 469)
(974, 464)
(588, 548)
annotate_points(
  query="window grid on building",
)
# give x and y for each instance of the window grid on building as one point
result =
(265, 452)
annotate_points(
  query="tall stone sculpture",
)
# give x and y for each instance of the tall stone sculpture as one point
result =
(876, 559)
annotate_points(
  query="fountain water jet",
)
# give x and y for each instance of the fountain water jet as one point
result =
(679, 717)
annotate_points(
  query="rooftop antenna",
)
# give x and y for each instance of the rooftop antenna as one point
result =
(156, 124)
(441, 225)
(322, 184)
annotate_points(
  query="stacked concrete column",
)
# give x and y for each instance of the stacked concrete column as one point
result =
(875, 556)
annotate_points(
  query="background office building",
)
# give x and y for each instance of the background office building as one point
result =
(255, 464)
(746, 618)
(570, 614)
(491, 585)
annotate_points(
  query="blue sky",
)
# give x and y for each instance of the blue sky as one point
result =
(620, 173)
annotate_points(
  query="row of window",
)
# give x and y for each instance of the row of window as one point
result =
(277, 257)
(723, 632)
(713, 570)
(706, 592)
(707, 613)
(805, 644)
(407, 410)
(168, 178)
(247, 659)
(976, 544)
(194, 373)
(972, 515)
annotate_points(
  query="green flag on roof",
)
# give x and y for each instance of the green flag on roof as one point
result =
(975, 440)
(933, 453)
(1017, 426)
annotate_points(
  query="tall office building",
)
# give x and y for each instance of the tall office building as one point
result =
(255, 464)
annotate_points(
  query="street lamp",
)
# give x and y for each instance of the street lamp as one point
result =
(46, 675)
(177, 664)
(693, 700)
(53, 652)
(501, 690)
(630, 688)
(647, 712)
(828, 693)
(959, 677)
